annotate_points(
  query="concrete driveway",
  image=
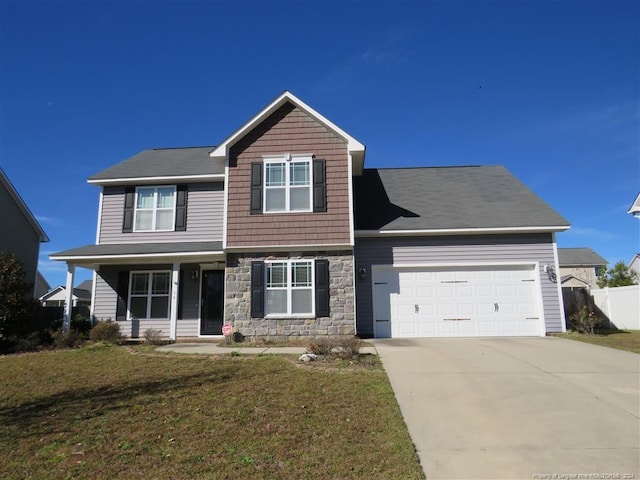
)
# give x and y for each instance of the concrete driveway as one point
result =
(518, 407)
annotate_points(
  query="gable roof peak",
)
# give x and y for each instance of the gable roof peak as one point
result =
(355, 148)
(4, 180)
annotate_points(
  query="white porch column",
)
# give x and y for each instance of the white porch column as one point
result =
(68, 302)
(175, 280)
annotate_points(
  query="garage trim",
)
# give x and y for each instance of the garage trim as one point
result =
(376, 270)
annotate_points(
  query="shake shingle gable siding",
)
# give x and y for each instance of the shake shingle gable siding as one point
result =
(289, 130)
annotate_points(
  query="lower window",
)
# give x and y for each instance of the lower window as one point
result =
(149, 294)
(289, 287)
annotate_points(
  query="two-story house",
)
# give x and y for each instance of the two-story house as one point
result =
(280, 231)
(21, 234)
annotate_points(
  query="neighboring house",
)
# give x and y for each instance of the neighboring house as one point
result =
(280, 231)
(634, 209)
(20, 232)
(56, 297)
(634, 265)
(42, 286)
(579, 267)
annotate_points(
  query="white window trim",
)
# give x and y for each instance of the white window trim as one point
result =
(288, 160)
(155, 208)
(289, 288)
(149, 295)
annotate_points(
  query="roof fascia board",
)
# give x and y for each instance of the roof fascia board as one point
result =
(138, 180)
(131, 256)
(459, 231)
(23, 206)
(635, 206)
(221, 151)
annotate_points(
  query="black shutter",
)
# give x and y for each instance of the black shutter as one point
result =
(181, 208)
(257, 289)
(322, 288)
(123, 293)
(256, 188)
(319, 186)
(129, 204)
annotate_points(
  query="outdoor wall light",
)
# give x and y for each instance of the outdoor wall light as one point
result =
(195, 274)
(362, 273)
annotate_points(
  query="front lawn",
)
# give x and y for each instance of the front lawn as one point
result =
(107, 412)
(628, 340)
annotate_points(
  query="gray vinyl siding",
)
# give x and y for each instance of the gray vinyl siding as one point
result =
(18, 235)
(528, 248)
(205, 215)
(188, 328)
(106, 301)
(106, 298)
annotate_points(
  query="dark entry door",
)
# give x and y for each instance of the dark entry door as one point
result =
(212, 305)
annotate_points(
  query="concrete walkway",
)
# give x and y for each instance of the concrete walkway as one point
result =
(517, 407)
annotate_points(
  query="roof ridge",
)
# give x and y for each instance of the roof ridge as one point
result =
(182, 148)
(430, 167)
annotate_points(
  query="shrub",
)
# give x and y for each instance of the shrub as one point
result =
(78, 323)
(70, 339)
(153, 337)
(585, 321)
(341, 347)
(106, 332)
(348, 347)
(320, 346)
(29, 343)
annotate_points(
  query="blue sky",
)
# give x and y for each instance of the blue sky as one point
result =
(550, 89)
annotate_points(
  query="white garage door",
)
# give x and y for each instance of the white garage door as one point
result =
(460, 302)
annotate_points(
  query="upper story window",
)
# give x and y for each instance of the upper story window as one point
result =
(155, 209)
(287, 185)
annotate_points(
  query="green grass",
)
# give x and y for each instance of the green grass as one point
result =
(113, 412)
(628, 340)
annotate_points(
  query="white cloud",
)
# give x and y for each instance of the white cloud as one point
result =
(592, 233)
(55, 222)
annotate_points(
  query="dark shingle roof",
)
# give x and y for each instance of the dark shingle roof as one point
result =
(443, 198)
(86, 285)
(164, 162)
(139, 249)
(579, 257)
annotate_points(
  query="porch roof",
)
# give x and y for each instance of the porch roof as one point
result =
(111, 253)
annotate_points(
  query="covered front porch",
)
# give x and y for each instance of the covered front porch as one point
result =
(174, 288)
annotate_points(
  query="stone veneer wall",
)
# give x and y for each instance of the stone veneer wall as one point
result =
(341, 321)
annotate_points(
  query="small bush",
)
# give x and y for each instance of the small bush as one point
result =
(153, 337)
(29, 343)
(320, 346)
(348, 348)
(78, 323)
(70, 339)
(585, 321)
(106, 332)
(341, 347)
(237, 337)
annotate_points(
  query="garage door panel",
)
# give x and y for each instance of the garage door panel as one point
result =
(466, 309)
(462, 302)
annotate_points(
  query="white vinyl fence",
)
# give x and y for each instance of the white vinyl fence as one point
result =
(620, 304)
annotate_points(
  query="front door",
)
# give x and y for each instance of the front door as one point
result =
(212, 304)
